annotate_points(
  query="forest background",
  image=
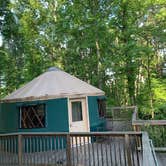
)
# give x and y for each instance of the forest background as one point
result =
(116, 45)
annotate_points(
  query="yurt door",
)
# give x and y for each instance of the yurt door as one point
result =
(78, 118)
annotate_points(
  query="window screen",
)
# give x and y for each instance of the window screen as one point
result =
(32, 116)
(76, 111)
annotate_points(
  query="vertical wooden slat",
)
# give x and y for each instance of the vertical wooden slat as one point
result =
(3, 150)
(77, 155)
(107, 163)
(44, 149)
(120, 150)
(20, 150)
(47, 149)
(30, 150)
(55, 146)
(98, 164)
(115, 151)
(62, 148)
(81, 153)
(34, 150)
(132, 150)
(15, 147)
(58, 147)
(51, 143)
(12, 152)
(11, 148)
(136, 150)
(93, 151)
(68, 150)
(110, 146)
(102, 159)
(40, 147)
(128, 153)
(89, 154)
(124, 151)
(6, 149)
(84, 151)
(26, 150)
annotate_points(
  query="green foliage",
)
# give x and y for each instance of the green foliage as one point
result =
(160, 112)
(117, 46)
(159, 99)
(157, 134)
(159, 89)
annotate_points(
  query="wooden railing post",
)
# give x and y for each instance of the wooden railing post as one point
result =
(20, 150)
(134, 128)
(128, 152)
(68, 150)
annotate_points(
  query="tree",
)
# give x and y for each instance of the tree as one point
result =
(117, 46)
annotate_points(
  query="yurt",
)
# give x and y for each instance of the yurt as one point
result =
(55, 101)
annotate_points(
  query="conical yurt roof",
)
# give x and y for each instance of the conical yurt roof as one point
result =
(54, 83)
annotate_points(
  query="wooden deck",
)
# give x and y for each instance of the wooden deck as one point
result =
(67, 149)
(105, 153)
(161, 158)
(155, 128)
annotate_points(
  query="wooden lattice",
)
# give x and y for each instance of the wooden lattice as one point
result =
(33, 116)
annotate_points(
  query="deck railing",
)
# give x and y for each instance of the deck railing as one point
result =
(126, 118)
(119, 118)
(155, 128)
(76, 149)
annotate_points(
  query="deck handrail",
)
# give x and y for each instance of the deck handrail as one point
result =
(153, 152)
(147, 125)
(140, 122)
(112, 109)
(107, 133)
(151, 126)
(148, 158)
(149, 122)
(141, 138)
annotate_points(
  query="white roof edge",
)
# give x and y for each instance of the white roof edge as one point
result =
(49, 97)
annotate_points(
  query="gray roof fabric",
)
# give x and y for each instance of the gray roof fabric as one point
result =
(54, 83)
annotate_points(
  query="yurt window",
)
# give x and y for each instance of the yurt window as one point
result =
(77, 111)
(32, 116)
(101, 107)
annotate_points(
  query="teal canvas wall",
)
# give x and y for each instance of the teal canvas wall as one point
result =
(96, 123)
(56, 116)
(8, 118)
